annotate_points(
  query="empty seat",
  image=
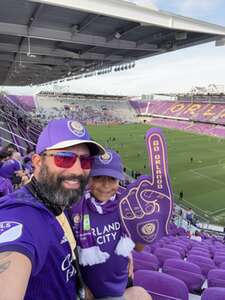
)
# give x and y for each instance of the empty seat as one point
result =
(145, 261)
(176, 248)
(219, 259)
(161, 286)
(206, 264)
(216, 278)
(188, 272)
(213, 294)
(163, 254)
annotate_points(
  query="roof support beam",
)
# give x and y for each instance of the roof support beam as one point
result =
(47, 51)
(66, 36)
(118, 34)
(41, 60)
(85, 22)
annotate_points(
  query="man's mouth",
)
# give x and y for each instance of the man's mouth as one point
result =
(71, 183)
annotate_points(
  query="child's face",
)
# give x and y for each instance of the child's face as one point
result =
(103, 187)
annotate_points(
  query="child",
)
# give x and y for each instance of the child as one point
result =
(103, 245)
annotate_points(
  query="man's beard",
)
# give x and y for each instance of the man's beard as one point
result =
(51, 187)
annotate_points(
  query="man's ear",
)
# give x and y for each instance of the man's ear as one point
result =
(36, 161)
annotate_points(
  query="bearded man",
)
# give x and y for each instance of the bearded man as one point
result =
(37, 258)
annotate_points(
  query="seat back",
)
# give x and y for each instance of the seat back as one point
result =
(161, 286)
(188, 272)
(216, 278)
(213, 294)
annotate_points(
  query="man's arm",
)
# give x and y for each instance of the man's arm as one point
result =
(15, 270)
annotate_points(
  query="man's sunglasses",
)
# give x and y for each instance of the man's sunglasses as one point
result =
(67, 159)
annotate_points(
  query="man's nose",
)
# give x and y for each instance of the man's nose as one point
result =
(77, 168)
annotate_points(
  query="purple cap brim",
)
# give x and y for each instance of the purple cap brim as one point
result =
(107, 172)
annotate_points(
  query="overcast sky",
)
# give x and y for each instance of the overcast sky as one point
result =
(173, 72)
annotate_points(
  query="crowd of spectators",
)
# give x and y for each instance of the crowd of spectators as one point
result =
(15, 170)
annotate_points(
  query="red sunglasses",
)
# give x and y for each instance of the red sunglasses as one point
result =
(67, 160)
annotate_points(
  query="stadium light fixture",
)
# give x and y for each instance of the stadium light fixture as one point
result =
(117, 35)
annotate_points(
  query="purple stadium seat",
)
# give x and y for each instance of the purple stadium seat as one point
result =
(216, 278)
(222, 266)
(206, 264)
(145, 261)
(213, 294)
(163, 254)
(184, 245)
(188, 272)
(161, 286)
(155, 246)
(205, 249)
(219, 252)
(219, 259)
(152, 265)
(199, 253)
(176, 248)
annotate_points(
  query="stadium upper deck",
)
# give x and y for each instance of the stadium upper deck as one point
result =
(47, 40)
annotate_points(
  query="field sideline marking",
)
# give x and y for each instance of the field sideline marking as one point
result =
(202, 175)
(209, 166)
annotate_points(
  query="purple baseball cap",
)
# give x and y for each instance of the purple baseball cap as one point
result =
(108, 164)
(64, 133)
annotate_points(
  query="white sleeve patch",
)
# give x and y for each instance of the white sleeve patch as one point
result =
(10, 231)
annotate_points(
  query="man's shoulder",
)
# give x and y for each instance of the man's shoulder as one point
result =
(21, 198)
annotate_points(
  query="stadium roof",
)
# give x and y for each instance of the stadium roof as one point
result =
(47, 40)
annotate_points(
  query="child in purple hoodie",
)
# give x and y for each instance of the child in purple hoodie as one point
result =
(103, 245)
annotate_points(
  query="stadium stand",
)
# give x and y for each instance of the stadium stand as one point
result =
(202, 117)
(86, 109)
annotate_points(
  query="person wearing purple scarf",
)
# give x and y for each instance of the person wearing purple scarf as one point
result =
(37, 256)
(103, 244)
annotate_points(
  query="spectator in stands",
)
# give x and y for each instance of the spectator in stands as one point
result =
(6, 186)
(29, 151)
(196, 236)
(10, 148)
(3, 157)
(189, 216)
(36, 239)
(180, 217)
(104, 248)
(11, 166)
(27, 165)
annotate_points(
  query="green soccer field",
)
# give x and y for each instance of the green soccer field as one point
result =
(202, 180)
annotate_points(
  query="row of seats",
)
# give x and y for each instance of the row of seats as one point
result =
(181, 262)
(166, 287)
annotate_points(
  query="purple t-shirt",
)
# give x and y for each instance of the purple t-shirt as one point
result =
(5, 186)
(26, 226)
(109, 278)
(9, 167)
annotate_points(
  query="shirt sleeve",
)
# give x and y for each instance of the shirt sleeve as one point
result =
(24, 229)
